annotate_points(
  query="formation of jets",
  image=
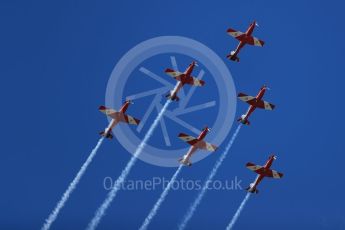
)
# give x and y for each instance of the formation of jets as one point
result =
(198, 143)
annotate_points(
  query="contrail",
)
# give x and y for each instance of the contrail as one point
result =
(159, 202)
(53, 215)
(113, 192)
(202, 193)
(238, 212)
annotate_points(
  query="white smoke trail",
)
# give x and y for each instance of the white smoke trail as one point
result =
(203, 191)
(238, 212)
(53, 215)
(159, 202)
(113, 192)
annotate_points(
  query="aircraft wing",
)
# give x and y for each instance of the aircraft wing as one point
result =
(252, 101)
(207, 146)
(274, 174)
(199, 144)
(234, 33)
(255, 42)
(189, 139)
(261, 170)
(264, 105)
(130, 120)
(195, 82)
(109, 112)
(256, 168)
(174, 74)
(245, 98)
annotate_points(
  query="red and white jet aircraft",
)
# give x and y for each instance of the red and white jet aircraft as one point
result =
(183, 78)
(244, 38)
(254, 102)
(263, 171)
(196, 143)
(116, 118)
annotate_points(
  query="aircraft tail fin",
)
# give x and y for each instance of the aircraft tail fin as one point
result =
(185, 162)
(243, 120)
(251, 189)
(108, 135)
(173, 98)
(233, 57)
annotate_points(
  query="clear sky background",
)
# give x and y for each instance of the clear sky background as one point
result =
(56, 58)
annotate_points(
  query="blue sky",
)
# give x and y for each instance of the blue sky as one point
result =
(56, 59)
